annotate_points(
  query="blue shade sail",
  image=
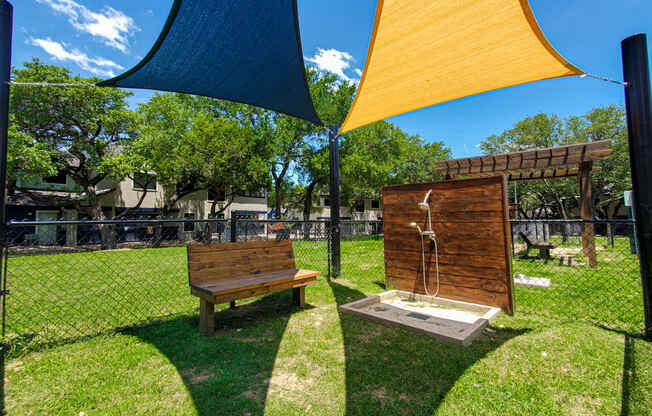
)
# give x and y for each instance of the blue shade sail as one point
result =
(248, 51)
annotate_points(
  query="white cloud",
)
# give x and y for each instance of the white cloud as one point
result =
(334, 61)
(111, 25)
(98, 65)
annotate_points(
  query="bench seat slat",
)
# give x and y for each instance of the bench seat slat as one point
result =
(257, 280)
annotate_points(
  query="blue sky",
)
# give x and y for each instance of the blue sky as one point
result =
(101, 37)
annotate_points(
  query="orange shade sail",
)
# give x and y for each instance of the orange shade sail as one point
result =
(426, 52)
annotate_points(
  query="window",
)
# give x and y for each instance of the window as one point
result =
(327, 202)
(375, 204)
(359, 206)
(144, 181)
(189, 226)
(58, 179)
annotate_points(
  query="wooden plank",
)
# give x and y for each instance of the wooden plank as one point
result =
(472, 245)
(484, 261)
(414, 265)
(495, 285)
(563, 156)
(453, 245)
(224, 261)
(254, 281)
(228, 271)
(237, 255)
(401, 223)
(264, 290)
(466, 294)
(203, 248)
(206, 317)
(299, 296)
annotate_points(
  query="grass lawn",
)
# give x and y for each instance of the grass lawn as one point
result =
(271, 358)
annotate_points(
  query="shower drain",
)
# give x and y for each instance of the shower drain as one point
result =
(418, 316)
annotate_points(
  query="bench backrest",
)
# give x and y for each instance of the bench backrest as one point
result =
(207, 263)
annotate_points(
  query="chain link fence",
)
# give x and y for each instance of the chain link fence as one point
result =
(69, 279)
(578, 270)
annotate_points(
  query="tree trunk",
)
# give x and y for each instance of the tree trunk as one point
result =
(566, 226)
(107, 231)
(278, 183)
(307, 208)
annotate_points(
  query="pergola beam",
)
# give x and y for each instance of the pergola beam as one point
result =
(570, 156)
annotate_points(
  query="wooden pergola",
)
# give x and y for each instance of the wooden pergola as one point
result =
(554, 162)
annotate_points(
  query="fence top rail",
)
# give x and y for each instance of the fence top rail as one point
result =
(226, 221)
(115, 222)
(310, 221)
(592, 221)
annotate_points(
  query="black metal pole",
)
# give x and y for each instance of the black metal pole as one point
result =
(6, 26)
(334, 154)
(639, 128)
(6, 23)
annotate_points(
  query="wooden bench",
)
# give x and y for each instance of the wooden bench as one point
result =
(543, 247)
(225, 272)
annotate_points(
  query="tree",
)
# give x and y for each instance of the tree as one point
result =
(382, 154)
(199, 144)
(556, 197)
(27, 157)
(77, 131)
(302, 146)
(614, 177)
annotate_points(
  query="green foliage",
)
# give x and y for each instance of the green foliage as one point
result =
(75, 130)
(28, 157)
(557, 197)
(199, 144)
(382, 154)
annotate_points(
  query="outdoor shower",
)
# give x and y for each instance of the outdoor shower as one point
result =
(424, 206)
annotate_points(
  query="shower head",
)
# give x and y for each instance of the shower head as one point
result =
(415, 225)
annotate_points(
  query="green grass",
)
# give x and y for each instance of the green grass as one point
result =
(270, 358)
(609, 295)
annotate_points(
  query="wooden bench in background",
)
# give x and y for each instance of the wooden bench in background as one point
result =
(530, 243)
(225, 272)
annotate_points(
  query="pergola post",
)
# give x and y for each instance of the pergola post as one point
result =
(334, 194)
(586, 212)
(639, 129)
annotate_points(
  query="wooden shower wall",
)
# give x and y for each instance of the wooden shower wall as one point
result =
(471, 220)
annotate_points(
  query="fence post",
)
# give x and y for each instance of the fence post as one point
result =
(6, 26)
(639, 129)
(334, 156)
(234, 239)
(234, 233)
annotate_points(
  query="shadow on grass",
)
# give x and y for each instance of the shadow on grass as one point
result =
(227, 373)
(628, 374)
(393, 371)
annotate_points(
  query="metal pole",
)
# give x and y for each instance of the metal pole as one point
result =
(6, 22)
(334, 155)
(6, 25)
(639, 129)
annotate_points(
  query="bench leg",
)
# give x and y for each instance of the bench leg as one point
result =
(232, 304)
(206, 317)
(544, 253)
(299, 296)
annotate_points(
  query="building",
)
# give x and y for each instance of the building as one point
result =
(368, 209)
(59, 197)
